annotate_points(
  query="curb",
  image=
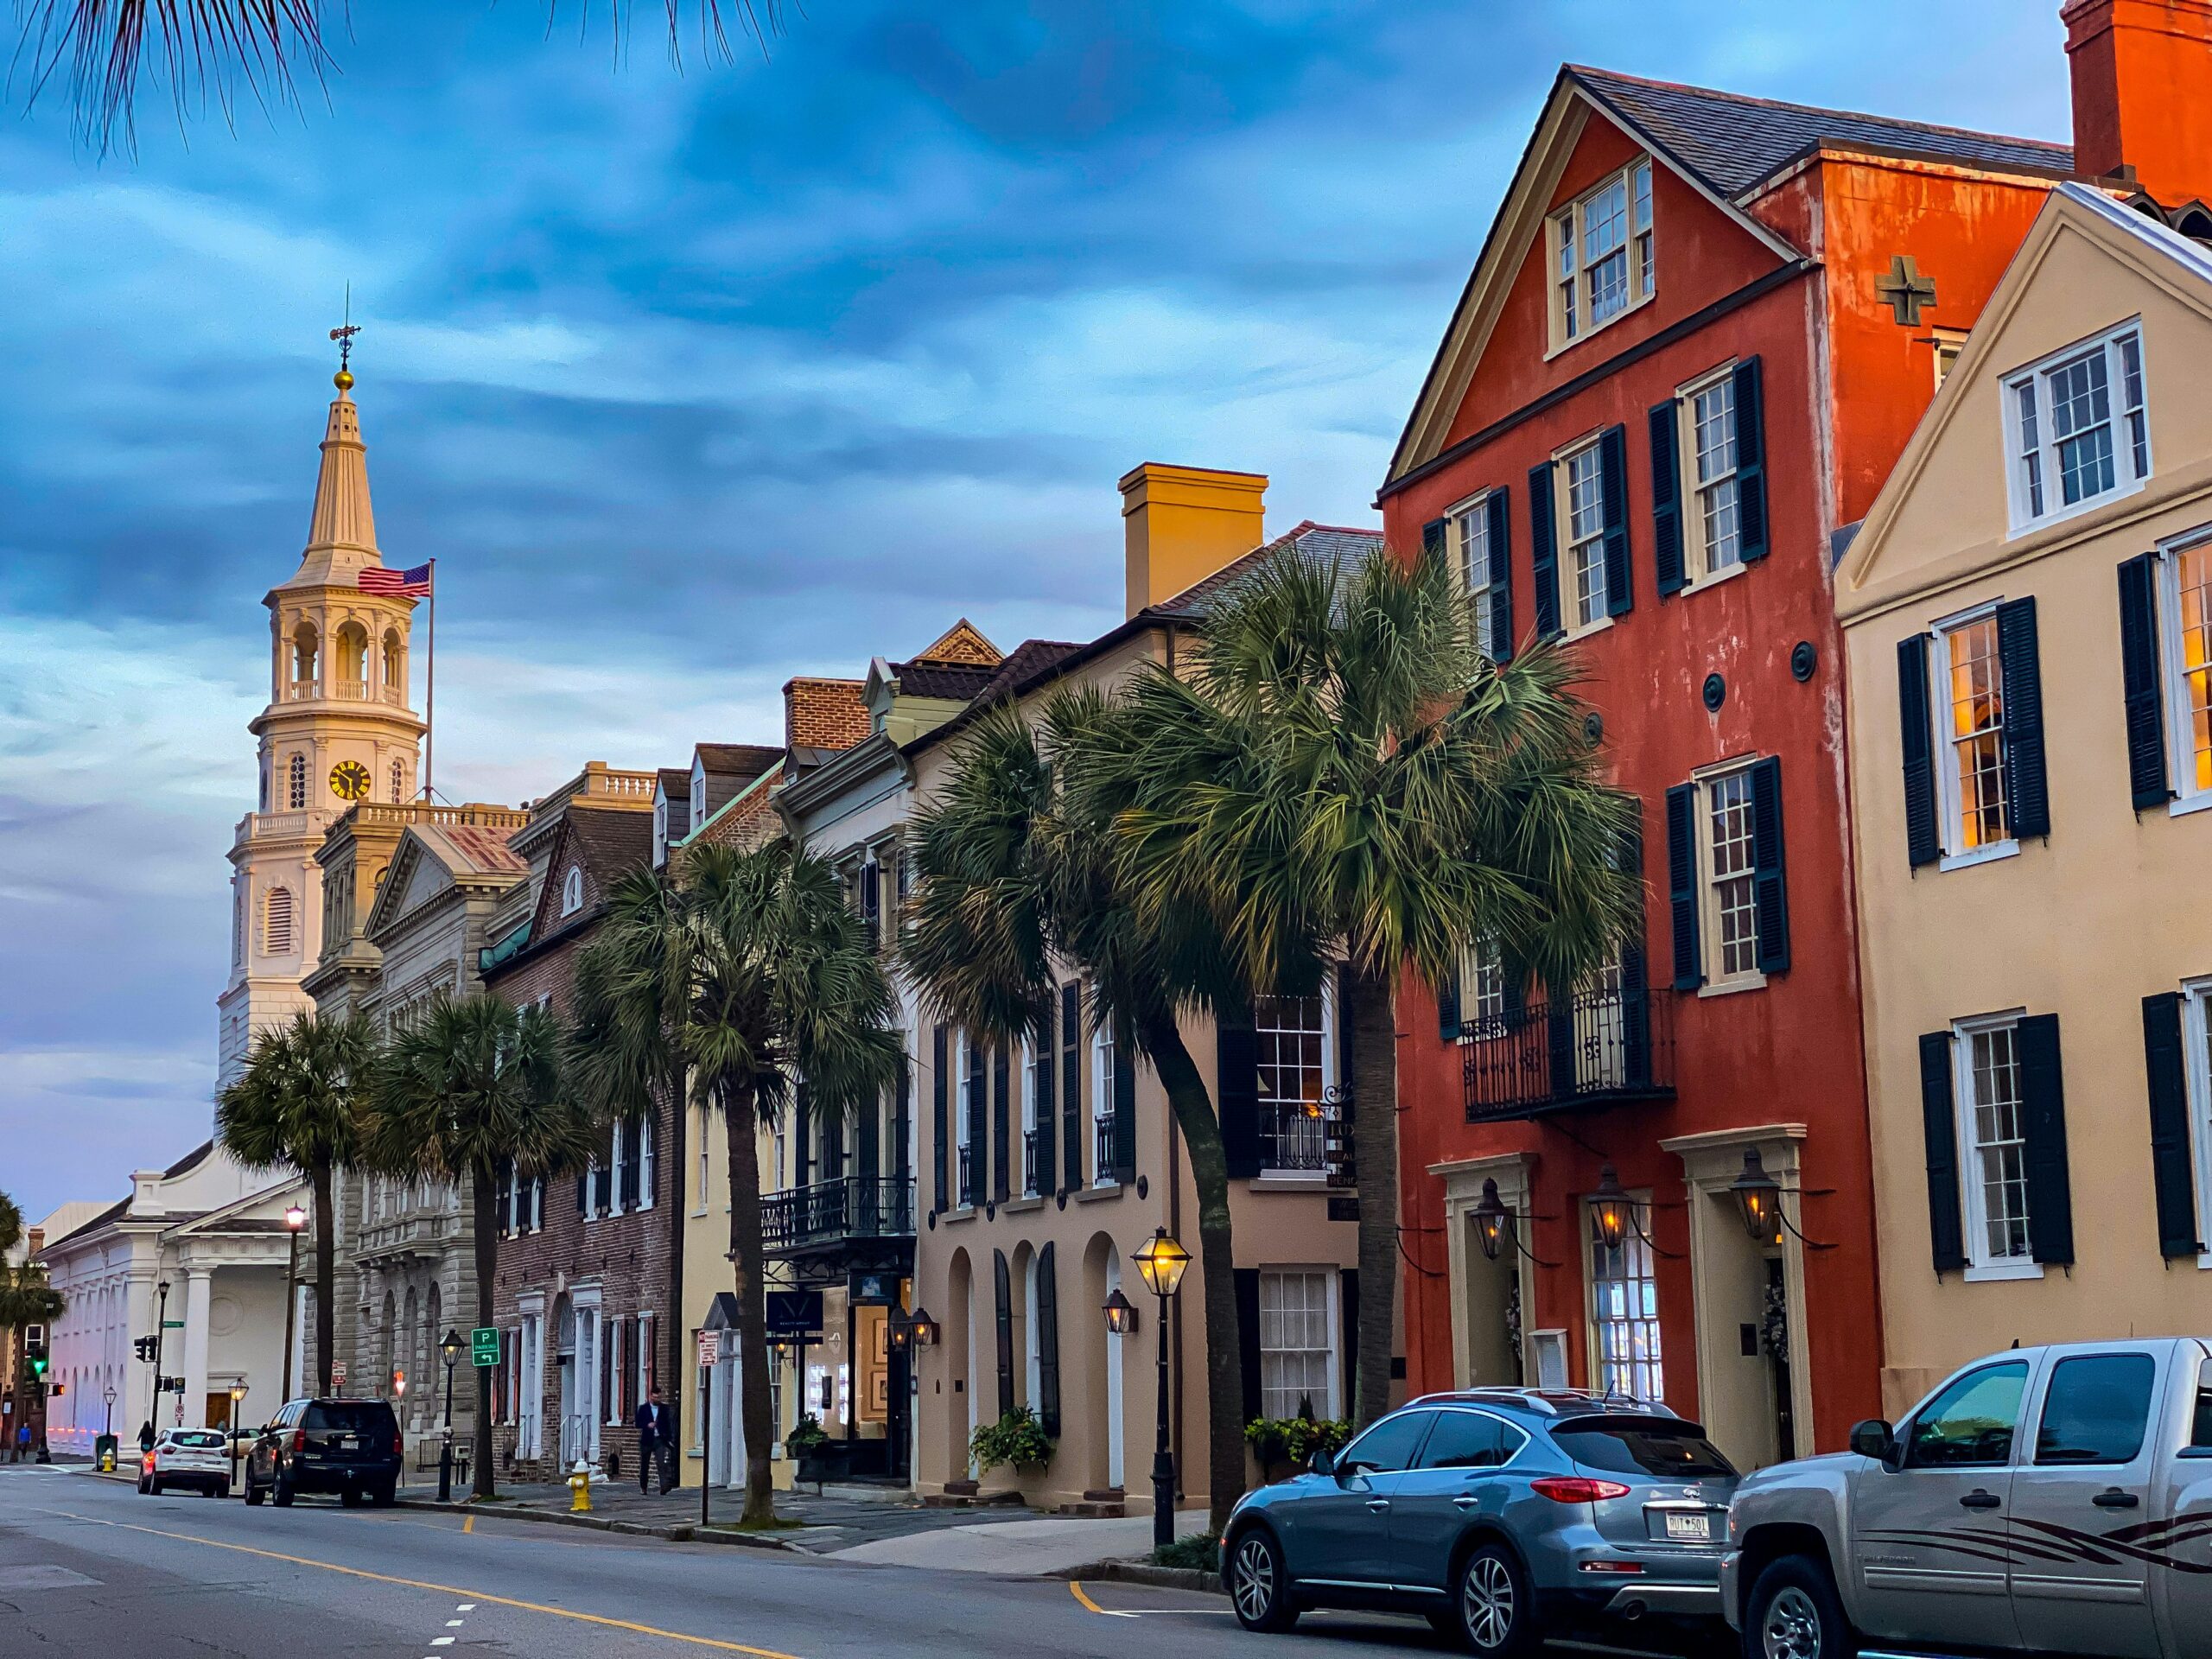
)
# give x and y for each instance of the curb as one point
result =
(1160, 1578)
(679, 1533)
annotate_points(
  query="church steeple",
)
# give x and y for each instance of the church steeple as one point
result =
(342, 533)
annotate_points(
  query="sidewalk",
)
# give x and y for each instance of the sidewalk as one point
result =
(1047, 1547)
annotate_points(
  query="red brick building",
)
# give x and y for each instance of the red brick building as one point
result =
(1700, 332)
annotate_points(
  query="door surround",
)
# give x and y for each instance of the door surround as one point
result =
(1516, 1175)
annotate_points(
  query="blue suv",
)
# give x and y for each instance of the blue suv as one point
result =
(1496, 1512)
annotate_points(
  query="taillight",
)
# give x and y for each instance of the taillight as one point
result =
(299, 1440)
(1576, 1489)
(399, 1445)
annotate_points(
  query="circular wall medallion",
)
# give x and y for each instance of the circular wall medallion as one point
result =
(1803, 659)
(1593, 729)
(224, 1317)
(1716, 693)
(1143, 1187)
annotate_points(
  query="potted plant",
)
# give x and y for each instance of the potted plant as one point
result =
(1017, 1439)
(1287, 1443)
(808, 1446)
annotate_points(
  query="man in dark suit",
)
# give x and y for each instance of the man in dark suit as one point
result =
(656, 1443)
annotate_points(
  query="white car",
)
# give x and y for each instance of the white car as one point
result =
(186, 1457)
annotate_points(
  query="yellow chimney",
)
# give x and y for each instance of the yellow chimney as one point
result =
(1185, 523)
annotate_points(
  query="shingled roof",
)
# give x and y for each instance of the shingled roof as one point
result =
(1316, 544)
(955, 681)
(1735, 144)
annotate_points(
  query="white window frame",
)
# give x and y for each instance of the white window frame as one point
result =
(1950, 344)
(618, 1157)
(2196, 1065)
(1636, 1252)
(1566, 232)
(1485, 998)
(1718, 984)
(1331, 1406)
(2125, 410)
(1028, 1186)
(2173, 675)
(1697, 553)
(572, 890)
(969, 1058)
(1565, 546)
(1329, 1084)
(1950, 826)
(1981, 1266)
(1104, 1056)
(1466, 521)
(648, 1156)
(660, 829)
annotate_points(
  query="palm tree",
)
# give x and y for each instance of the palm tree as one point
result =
(1342, 773)
(745, 972)
(301, 1103)
(471, 1087)
(1014, 857)
(101, 48)
(26, 1298)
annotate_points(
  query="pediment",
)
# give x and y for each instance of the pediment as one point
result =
(414, 877)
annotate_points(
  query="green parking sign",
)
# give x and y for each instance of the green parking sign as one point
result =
(484, 1345)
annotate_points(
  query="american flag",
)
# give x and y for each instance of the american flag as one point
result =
(400, 584)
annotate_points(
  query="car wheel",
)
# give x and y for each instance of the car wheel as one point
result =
(153, 1485)
(1259, 1586)
(383, 1496)
(1491, 1603)
(253, 1494)
(282, 1496)
(142, 1485)
(1794, 1613)
(352, 1496)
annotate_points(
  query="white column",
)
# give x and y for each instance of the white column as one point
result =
(134, 1403)
(198, 1286)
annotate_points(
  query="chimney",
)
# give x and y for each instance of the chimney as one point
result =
(822, 714)
(1182, 524)
(2142, 75)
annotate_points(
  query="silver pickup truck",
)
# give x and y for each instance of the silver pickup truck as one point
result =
(2044, 1500)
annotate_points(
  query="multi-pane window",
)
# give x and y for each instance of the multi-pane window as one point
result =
(1973, 759)
(1995, 1154)
(1585, 532)
(1029, 1097)
(572, 891)
(1482, 990)
(2079, 426)
(1625, 1320)
(1731, 875)
(398, 782)
(297, 782)
(1296, 1352)
(2189, 675)
(1104, 1059)
(1604, 259)
(1293, 1046)
(1471, 530)
(1712, 462)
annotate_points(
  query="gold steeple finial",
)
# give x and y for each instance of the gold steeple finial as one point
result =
(344, 336)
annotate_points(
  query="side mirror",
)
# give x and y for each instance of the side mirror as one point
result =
(1875, 1438)
(1323, 1462)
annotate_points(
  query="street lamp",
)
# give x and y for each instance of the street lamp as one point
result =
(161, 1337)
(451, 1349)
(1609, 1209)
(107, 1425)
(231, 1430)
(1160, 1262)
(294, 1219)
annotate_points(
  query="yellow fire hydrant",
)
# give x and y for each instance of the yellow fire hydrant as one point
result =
(580, 1483)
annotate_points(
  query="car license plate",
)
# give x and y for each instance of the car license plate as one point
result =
(1691, 1526)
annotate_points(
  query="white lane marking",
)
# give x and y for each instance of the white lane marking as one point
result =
(452, 1623)
(465, 1607)
(442, 1641)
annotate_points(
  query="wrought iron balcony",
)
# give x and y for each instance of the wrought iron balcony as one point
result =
(801, 1219)
(1294, 1135)
(1597, 1048)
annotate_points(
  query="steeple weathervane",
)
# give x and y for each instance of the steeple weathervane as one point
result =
(344, 336)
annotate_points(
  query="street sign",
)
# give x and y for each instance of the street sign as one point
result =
(484, 1345)
(337, 1373)
(172, 1324)
(710, 1348)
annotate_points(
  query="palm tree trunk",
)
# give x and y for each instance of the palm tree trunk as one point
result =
(749, 1263)
(1375, 1149)
(1201, 1127)
(325, 1278)
(484, 1234)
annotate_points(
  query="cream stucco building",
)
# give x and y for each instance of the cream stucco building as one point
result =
(2028, 608)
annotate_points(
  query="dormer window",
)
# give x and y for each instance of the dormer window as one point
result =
(572, 891)
(1602, 254)
(660, 830)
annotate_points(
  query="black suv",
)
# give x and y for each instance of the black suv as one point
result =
(351, 1447)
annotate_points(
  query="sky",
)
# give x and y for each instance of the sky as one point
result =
(693, 380)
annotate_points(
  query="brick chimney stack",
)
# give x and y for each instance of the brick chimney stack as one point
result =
(2142, 75)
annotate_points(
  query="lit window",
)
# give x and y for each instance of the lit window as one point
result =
(1292, 1045)
(2079, 428)
(1604, 259)
(1297, 1369)
(2185, 602)
(572, 891)
(1625, 1320)
(1992, 1128)
(1585, 532)
(1973, 713)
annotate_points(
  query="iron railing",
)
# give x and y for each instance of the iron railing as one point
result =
(1029, 1163)
(1293, 1135)
(1102, 1160)
(829, 1212)
(1595, 1048)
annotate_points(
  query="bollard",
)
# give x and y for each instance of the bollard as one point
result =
(580, 1483)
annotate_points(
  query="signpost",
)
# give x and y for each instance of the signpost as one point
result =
(337, 1375)
(710, 1353)
(484, 1346)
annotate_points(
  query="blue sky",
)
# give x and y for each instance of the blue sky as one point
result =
(692, 382)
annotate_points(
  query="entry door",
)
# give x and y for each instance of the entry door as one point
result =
(1933, 1535)
(1340, 1529)
(2087, 1478)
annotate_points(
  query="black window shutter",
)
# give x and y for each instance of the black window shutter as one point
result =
(583, 1194)
(1559, 1038)
(867, 1140)
(941, 1121)
(1048, 1341)
(871, 904)
(1248, 1339)
(1348, 1336)
(2021, 663)
(1071, 1085)
(1048, 1138)
(602, 1189)
(902, 1112)
(1543, 550)
(1940, 1126)
(2139, 676)
(1682, 884)
(2043, 1125)
(979, 1122)
(1916, 744)
(1003, 1282)
(1343, 1016)
(1447, 1008)
(803, 1133)
(1432, 538)
(1125, 1106)
(1613, 496)
(1769, 882)
(2171, 1170)
(1666, 497)
(1236, 1079)
(1750, 462)
(628, 1188)
(1499, 507)
(1636, 988)
(1001, 1123)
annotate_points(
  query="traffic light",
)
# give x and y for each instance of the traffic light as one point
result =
(145, 1347)
(38, 1362)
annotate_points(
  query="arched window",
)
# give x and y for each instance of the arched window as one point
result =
(395, 665)
(276, 921)
(305, 659)
(353, 664)
(572, 891)
(264, 783)
(238, 927)
(297, 794)
(398, 782)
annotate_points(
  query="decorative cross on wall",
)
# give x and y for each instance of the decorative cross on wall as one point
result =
(1907, 292)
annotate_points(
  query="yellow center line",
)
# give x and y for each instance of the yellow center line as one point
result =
(468, 1523)
(1075, 1588)
(443, 1589)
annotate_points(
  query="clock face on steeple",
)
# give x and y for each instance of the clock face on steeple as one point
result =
(349, 781)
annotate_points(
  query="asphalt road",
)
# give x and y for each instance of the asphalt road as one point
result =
(90, 1570)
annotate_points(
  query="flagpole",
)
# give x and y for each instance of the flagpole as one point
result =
(430, 695)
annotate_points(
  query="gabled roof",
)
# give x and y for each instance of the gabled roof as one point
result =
(1736, 143)
(963, 642)
(676, 783)
(738, 760)
(610, 843)
(1316, 544)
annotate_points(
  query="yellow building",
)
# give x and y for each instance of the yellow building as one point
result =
(2028, 614)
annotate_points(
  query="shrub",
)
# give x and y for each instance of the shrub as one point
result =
(1017, 1439)
(1294, 1440)
(806, 1438)
(1200, 1551)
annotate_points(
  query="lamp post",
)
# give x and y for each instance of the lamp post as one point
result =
(1160, 1262)
(451, 1349)
(294, 1219)
(161, 1337)
(231, 1432)
(107, 1423)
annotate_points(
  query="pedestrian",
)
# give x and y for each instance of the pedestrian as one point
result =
(656, 1443)
(146, 1436)
(24, 1442)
